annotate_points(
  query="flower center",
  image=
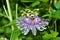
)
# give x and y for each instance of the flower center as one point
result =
(32, 19)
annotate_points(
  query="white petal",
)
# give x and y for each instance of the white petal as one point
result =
(26, 31)
(21, 27)
(33, 30)
(42, 28)
(38, 27)
(46, 23)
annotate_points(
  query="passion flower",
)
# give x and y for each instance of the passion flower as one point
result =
(32, 23)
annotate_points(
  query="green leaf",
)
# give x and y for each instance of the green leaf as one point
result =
(3, 15)
(15, 34)
(49, 36)
(11, 23)
(46, 36)
(8, 30)
(46, 15)
(44, 0)
(56, 38)
(35, 3)
(51, 13)
(54, 34)
(57, 4)
(52, 10)
(56, 14)
(1, 30)
(28, 38)
(29, 0)
(4, 21)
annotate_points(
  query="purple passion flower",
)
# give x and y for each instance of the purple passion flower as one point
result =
(31, 23)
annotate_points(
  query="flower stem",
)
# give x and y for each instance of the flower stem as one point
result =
(55, 26)
(10, 15)
(16, 16)
(16, 10)
(5, 10)
(41, 35)
(9, 10)
(55, 1)
(55, 20)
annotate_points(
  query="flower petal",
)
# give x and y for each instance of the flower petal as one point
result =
(38, 27)
(33, 30)
(26, 30)
(42, 28)
(46, 23)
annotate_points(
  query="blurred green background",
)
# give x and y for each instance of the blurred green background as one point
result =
(10, 11)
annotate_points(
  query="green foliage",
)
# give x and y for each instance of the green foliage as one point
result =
(54, 34)
(1, 30)
(56, 38)
(53, 14)
(15, 34)
(35, 3)
(2, 15)
(28, 38)
(57, 4)
(8, 30)
(29, 0)
(11, 23)
(44, 0)
(50, 36)
(47, 9)
(34, 0)
(56, 14)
